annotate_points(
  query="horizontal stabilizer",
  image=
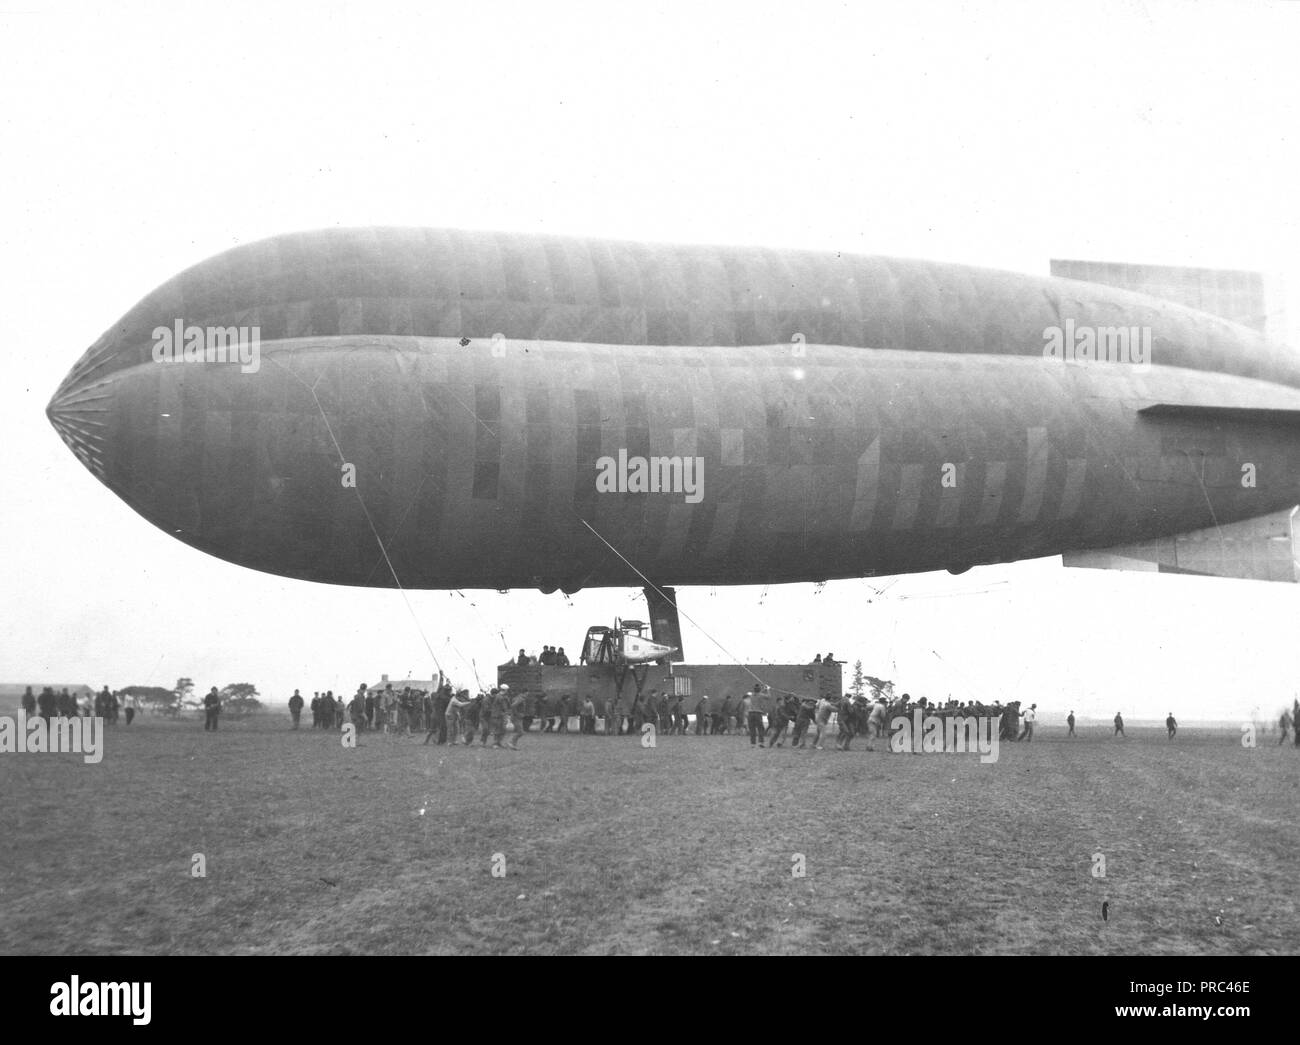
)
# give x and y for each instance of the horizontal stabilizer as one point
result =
(1261, 549)
(1234, 414)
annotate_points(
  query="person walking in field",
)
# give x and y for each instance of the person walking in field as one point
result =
(1119, 724)
(211, 709)
(1172, 725)
(295, 709)
(1028, 718)
(1069, 721)
(1284, 724)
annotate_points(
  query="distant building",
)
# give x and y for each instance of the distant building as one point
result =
(1250, 298)
(428, 685)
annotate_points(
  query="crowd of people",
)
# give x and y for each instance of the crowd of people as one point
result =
(549, 657)
(104, 704)
(453, 717)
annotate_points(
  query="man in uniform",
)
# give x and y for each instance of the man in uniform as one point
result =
(1119, 725)
(212, 709)
(1069, 721)
(295, 709)
(1172, 725)
(753, 716)
(516, 706)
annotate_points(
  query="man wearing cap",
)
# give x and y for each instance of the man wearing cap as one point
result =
(515, 713)
(807, 708)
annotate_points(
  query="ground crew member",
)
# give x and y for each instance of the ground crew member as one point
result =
(702, 716)
(295, 709)
(1285, 724)
(1171, 725)
(782, 716)
(848, 722)
(1028, 717)
(211, 708)
(587, 721)
(1119, 724)
(29, 702)
(515, 714)
(1070, 722)
(876, 720)
(823, 720)
(807, 709)
(455, 717)
(753, 716)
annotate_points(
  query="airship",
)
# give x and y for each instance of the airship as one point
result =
(443, 409)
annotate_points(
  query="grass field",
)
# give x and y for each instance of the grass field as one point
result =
(610, 847)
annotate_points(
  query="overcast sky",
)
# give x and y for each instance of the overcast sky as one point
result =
(136, 140)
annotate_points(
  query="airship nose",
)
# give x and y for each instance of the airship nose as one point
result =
(78, 413)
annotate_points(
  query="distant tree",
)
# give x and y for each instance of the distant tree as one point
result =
(150, 698)
(858, 686)
(881, 688)
(239, 698)
(182, 696)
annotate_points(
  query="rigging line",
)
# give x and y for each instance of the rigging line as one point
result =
(378, 540)
(954, 670)
(500, 633)
(1200, 478)
(672, 603)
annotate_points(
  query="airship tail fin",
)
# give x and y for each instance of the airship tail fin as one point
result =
(1261, 549)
